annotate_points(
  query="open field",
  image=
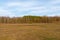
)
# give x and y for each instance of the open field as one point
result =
(30, 31)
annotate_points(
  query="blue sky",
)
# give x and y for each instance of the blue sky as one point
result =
(29, 7)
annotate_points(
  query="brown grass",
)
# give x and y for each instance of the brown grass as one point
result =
(30, 31)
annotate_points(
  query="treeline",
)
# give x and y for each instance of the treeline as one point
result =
(30, 19)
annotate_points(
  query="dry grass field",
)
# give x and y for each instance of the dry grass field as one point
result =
(30, 31)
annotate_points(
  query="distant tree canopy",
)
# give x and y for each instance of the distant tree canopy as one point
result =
(30, 19)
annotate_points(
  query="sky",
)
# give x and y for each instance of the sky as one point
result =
(18, 8)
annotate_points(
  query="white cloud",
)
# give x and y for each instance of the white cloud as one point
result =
(55, 1)
(32, 7)
(4, 12)
(20, 4)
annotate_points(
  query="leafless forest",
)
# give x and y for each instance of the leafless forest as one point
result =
(30, 19)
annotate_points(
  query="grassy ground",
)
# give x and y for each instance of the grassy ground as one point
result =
(30, 31)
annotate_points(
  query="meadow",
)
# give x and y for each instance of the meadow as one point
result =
(34, 31)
